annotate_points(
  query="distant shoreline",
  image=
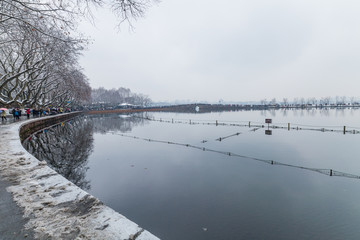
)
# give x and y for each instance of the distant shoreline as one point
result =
(203, 108)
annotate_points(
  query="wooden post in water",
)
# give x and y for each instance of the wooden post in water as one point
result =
(344, 129)
(249, 123)
(288, 126)
(216, 122)
(330, 172)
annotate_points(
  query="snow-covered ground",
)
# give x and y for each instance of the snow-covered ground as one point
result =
(57, 209)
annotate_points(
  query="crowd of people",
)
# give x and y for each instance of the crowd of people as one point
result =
(17, 113)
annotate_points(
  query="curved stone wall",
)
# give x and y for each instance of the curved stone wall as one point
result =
(37, 124)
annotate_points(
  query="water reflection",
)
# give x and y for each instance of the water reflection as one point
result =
(67, 146)
(118, 122)
(325, 171)
(267, 112)
(340, 112)
(268, 132)
(325, 112)
(284, 112)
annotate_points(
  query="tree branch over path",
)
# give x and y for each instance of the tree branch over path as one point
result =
(40, 47)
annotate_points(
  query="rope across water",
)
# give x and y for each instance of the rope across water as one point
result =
(325, 171)
(284, 126)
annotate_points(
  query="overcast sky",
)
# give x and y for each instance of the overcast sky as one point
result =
(234, 50)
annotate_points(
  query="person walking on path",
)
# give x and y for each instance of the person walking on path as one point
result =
(17, 113)
(3, 115)
(28, 113)
(13, 113)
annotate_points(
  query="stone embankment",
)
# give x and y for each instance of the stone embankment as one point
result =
(55, 207)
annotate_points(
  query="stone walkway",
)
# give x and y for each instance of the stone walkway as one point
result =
(12, 223)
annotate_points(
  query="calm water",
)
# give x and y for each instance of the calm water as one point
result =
(202, 189)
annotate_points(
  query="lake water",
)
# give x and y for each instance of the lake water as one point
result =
(179, 181)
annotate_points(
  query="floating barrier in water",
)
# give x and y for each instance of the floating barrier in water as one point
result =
(257, 125)
(328, 172)
(223, 138)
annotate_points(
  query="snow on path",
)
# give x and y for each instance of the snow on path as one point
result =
(57, 208)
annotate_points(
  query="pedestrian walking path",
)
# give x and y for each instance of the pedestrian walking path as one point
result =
(12, 222)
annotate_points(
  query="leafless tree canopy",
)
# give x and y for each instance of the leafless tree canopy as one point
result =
(39, 49)
(115, 97)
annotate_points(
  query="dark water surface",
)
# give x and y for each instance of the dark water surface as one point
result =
(279, 188)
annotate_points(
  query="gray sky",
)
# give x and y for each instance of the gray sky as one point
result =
(234, 50)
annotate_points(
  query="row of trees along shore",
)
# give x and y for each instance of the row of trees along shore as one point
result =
(102, 97)
(40, 48)
(324, 101)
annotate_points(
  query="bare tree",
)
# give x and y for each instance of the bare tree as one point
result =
(273, 101)
(313, 101)
(308, 101)
(39, 48)
(326, 100)
(296, 101)
(352, 100)
(33, 67)
(302, 101)
(62, 15)
(285, 101)
(343, 100)
(337, 100)
(115, 97)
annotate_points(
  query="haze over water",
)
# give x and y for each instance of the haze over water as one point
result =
(192, 189)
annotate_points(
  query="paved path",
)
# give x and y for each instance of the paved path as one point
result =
(11, 215)
(11, 220)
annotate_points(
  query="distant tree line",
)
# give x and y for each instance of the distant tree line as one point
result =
(324, 101)
(40, 48)
(115, 97)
